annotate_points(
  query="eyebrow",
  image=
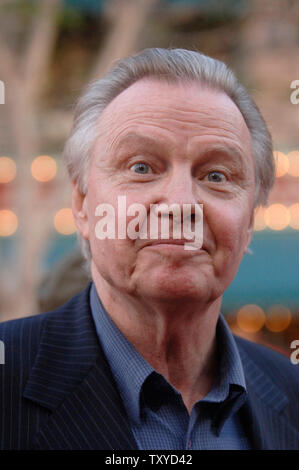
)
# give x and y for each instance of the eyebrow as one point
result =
(139, 139)
(224, 150)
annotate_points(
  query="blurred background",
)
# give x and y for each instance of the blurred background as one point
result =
(49, 51)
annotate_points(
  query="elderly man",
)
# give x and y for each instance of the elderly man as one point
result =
(143, 358)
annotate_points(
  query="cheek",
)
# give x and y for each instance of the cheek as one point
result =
(230, 229)
(113, 252)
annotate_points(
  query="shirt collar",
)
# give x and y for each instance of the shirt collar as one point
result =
(130, 369)
(231, 371)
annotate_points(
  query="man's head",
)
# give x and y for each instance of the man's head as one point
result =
(170, 126)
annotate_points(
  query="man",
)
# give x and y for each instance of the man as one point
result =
(143, 359)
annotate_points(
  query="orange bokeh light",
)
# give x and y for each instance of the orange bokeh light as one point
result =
(8, 169)
(293, 158)
(294, 216)
(250, 318)
(278, 318)
(64, 221)
(281, 163)
(259, 219)
(277, 216)
(8, 223)
(43, 168)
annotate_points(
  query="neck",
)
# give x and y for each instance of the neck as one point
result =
(177, 338)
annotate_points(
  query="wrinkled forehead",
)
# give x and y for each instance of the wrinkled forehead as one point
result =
(184, 107)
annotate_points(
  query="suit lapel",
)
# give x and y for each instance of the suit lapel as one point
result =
(264, 412)
(91, 417)
(71, 378)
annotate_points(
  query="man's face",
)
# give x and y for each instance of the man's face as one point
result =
(172, 143)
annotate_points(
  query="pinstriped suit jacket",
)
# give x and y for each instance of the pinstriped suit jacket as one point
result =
(57, 391)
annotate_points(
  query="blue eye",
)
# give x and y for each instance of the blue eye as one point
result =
(216, 177)
(141, 168)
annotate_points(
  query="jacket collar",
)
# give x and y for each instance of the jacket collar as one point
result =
(72, 378)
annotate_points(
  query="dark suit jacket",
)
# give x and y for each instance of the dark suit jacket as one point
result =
(57, 391)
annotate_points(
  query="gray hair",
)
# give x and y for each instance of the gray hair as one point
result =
(173, 65)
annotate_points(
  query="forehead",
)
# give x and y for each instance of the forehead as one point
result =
(176, 111)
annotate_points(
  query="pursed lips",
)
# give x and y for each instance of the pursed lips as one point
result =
(173, 242)
(169, 242)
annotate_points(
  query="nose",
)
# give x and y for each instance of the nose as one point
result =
(179, 187)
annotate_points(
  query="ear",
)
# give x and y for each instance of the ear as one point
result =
(79, 206)
(249, 231)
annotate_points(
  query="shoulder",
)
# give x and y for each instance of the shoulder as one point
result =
(264, 353)
(22, 333)
(20, 338)
(275, 365)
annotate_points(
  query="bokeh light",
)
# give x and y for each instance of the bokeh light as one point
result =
(8, 223)
(259, 219)
(8, 169)
(278, 318)
(293, 158)
(43, 168)
(250, 318)
(281, 163)
(294, 216)
(277, 216)
(64, 221)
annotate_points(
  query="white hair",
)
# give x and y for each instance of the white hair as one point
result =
(172, 65)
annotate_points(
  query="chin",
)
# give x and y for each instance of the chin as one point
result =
(175, 287)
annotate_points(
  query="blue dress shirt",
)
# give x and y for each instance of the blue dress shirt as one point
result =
(156, 412)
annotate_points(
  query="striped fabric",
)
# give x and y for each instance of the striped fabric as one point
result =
(57, 391)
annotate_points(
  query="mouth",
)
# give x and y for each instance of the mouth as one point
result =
(173, 244)
(168, 242)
